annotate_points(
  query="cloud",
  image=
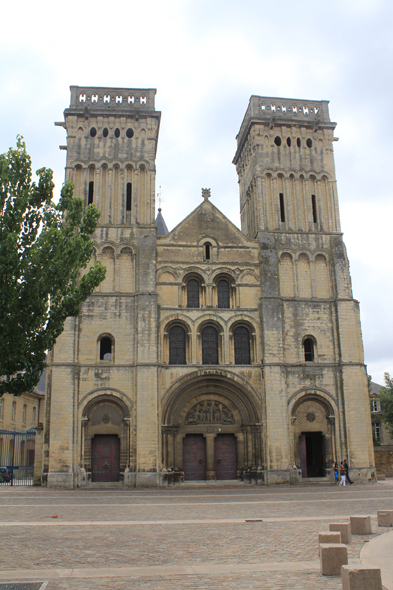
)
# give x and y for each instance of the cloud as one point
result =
(206, 58)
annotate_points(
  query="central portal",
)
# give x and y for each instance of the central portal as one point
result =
(225, 456)
(194, 456)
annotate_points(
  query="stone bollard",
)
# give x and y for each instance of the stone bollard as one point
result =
(329, 537)
(385, 517)
(361, 578)
(331, 558)
(360, 525)
(344, 528)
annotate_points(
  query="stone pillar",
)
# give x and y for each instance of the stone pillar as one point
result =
(38, 454)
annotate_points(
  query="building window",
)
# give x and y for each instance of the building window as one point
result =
(208, 251)
(377, 431)
(314, 208)
(177, 346)
(24, 414)
(106, 348)
(223, 294)
(1, 408)
(34, 416)
(374, 406)
(13, 411)
(241, 337)
(282, 208)
(129, 196)
(91, 193)
(193, 293)
(308, 346)
(209, 346)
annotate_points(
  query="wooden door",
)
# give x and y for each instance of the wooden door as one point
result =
(194, 457)
(225, 456)
(303, 454)
(105, 458)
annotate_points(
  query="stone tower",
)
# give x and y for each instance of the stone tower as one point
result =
(312, 343)
(111, 148)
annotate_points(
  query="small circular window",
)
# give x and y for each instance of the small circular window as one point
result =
(105, 132)
(277, 140)
(93, 132)
(299, 143)
(289, 142)
(130, 133)
(117, 132)
(309, 143)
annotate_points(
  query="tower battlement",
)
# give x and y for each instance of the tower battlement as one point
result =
(112, 99)
(284, 111)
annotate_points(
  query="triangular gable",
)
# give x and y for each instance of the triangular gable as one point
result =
(206, 221)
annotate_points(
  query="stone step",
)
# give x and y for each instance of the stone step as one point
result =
(105, 484)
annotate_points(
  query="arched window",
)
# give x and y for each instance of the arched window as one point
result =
(241, 337)
(308, 346)
(209, 346)
(192, 293)
(223, 293)
(177, 346)
(105, 349)
(208, 251)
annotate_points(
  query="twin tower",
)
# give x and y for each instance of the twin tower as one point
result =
(208, 352)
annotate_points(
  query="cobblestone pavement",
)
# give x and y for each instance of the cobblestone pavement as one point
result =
(78, 539)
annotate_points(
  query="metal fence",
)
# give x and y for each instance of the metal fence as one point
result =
(17, 458)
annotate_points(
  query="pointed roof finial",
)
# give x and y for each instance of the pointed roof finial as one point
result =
(206, 194)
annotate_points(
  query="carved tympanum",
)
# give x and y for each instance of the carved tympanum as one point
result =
(209, 412)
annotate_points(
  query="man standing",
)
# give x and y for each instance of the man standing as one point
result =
(346, 467)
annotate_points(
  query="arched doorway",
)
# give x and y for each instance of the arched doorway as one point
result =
(313, 424)
(211, 429)
(105, 438)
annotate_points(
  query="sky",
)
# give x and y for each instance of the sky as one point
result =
(206, 58)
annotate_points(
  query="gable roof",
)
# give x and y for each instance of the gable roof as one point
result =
(207, 221)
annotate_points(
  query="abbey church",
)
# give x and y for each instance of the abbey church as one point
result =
(208, 352)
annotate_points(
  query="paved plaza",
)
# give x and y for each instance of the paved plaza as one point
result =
(184, 537)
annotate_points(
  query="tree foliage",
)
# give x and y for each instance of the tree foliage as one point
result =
(386, 397)
(43, 246)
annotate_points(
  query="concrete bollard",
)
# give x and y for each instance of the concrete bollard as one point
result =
(344, 528)
(331, 558)
(361, 578)
(385, 517)
(360, 525)
(329, 537)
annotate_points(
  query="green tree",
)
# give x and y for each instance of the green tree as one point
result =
(43, 246)
(386, 397)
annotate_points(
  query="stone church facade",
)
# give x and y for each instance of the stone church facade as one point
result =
(209, 352)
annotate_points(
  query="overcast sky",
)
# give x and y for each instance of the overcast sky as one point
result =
(206, 58)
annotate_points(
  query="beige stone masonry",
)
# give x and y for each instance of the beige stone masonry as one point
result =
(361, 578)
(360, 525)
(344, 528)
(385, 517)
(332, 558)
(329, 537)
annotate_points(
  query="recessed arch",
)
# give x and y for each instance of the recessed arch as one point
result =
(179, 394)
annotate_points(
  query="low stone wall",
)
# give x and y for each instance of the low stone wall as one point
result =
(384, 460)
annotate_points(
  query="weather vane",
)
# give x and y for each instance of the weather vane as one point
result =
(159, 197)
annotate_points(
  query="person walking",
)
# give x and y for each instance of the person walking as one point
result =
(346, 466)
(342, 474)
(335, 472)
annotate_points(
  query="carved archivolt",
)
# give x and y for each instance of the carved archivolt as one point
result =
(209, 412)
